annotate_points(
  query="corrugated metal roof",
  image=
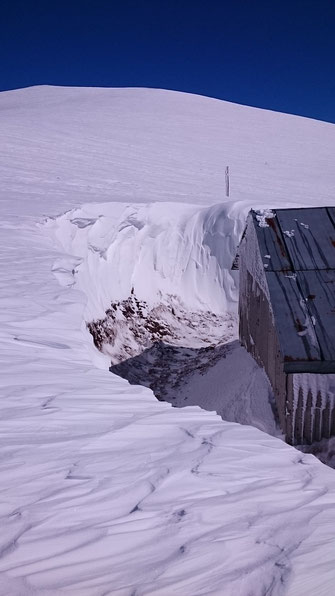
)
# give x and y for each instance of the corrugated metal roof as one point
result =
(298, 251)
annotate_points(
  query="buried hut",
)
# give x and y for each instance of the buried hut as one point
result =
(287, 313)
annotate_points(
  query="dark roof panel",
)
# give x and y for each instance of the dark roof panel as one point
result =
(296, 334)
(271, 244)
(297, 247)
(318, 289)
(309, 237)
(331, 213)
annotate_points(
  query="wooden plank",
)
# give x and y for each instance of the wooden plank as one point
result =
(289, 411)
(299, 419)
(309, 236)
(271, 243)
(326, 419)
(318, 289)
(308, 418)
(297, 338)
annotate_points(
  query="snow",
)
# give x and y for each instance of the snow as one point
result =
(159, 249)
(262, 215)
(104, 489)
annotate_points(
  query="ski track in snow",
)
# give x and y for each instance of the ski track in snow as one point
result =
(105, 490)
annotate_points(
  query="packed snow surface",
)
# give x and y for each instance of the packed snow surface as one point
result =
(112, 195)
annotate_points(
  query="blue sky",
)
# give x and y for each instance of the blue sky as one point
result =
(277, 55)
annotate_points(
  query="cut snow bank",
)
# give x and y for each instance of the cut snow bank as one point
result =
(154, 251)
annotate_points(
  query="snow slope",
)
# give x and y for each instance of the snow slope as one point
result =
(68, 146)
(105, 490)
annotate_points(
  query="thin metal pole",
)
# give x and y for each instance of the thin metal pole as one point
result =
(227, 180)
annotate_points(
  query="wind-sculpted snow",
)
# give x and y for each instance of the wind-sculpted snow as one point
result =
(153, 250)
(104, 489)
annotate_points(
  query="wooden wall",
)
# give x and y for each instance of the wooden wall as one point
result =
(258, 335)
(305, 402)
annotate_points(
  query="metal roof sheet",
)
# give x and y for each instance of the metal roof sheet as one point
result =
(298, 251)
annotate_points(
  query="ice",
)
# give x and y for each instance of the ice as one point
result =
(112, 193)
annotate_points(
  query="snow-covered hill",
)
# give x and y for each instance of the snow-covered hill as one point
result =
(70, 146)
(108, 194)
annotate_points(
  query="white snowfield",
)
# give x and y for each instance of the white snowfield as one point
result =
(105, 490)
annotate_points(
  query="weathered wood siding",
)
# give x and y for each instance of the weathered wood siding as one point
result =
(258, 335)
(311, 406)
(257, 331)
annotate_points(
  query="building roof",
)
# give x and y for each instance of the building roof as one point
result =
(297, 247)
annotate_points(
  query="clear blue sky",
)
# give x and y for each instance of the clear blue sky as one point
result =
(277, 55)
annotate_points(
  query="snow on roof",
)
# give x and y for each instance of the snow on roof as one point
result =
(298, 251)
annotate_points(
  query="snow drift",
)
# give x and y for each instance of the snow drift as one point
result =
(104, 489)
